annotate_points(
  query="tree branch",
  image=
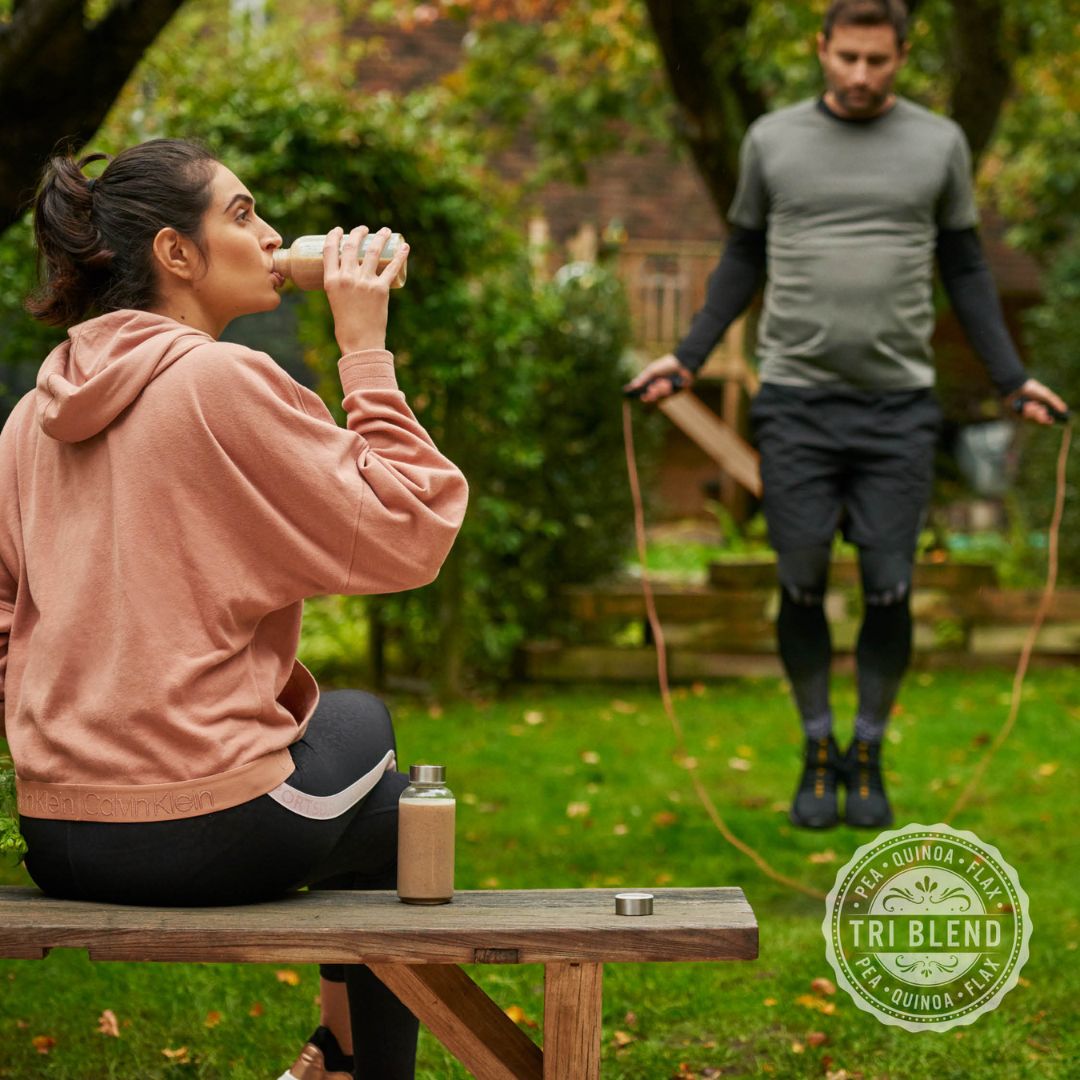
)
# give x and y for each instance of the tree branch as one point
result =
(58, 79)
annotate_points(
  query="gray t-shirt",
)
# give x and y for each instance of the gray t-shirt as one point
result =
(852, 210)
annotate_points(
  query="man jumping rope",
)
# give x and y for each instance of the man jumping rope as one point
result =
(842, 205)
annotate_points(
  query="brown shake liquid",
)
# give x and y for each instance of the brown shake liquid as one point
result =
(425, 873)
(302, 263)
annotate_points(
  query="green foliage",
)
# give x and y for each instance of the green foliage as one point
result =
(518, 384)
(1054, 337)
(12, 844)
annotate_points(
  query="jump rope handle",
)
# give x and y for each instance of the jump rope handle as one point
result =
(1058, 416)
(677, 383)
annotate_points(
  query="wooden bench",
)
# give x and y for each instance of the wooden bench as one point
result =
(416, 952)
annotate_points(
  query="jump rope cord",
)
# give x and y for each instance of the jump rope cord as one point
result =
(665, 690)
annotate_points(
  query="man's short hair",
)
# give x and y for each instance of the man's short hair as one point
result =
(867, 13)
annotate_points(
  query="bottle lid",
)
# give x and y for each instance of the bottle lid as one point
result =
(427, 774)
(633, 903)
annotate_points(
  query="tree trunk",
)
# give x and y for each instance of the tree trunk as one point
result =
(702, 42)
(59, 75)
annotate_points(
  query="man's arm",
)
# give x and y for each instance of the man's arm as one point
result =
(973, 295)
(732, 286)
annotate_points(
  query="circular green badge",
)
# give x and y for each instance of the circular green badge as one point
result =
(927, 927)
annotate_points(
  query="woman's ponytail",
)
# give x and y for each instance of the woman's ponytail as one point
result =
(95, 235)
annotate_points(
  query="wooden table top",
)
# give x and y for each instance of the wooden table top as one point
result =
(494, 926)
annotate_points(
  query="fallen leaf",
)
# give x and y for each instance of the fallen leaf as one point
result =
(489, 883)
(287, 976)
(435, 711)
(624, 707)
(532, 718)
(213, 1018)
(621, 829)
(827, 856)
(623, 1038)
(664, 818)
(797, 1048)
(808, 1001)
(515, 1012)
(1047, 768)
(769, 1002)
(630, 1019)
(179, 1056)
(43, 1043)
(577, 809)
(256, 1009)
(838, 1074)
(590, 757)
(108, 1025)
(698, 689)
(817, 1038)
(738, 764)
(744, 751)
(689, 763)
(823, 986)
(1023, 982)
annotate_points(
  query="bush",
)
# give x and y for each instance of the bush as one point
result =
(1054, 336)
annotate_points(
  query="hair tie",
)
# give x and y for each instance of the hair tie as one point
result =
(90, 185)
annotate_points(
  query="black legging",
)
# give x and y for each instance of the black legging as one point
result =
(883, 649)
(258, 851)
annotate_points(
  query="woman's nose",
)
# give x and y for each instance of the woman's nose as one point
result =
(272, 239)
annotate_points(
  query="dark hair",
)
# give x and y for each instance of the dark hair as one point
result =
(95, 236)
(867, 13)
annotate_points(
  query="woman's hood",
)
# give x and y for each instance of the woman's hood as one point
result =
(89, 380)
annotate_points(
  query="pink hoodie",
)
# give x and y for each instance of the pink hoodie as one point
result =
(168, 503)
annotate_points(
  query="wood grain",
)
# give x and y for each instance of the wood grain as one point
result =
(572, 1014)
(570, 925)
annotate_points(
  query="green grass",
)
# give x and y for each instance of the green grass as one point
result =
(517, 765)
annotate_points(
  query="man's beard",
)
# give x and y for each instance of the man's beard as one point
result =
(868, 103)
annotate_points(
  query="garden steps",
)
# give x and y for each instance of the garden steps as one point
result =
(962, 618)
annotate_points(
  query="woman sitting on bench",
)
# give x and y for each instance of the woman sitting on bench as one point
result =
(170, 500)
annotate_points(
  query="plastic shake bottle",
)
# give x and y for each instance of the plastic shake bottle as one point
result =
(426, 813)
(302, 263)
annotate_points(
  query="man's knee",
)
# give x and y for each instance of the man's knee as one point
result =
(804, 574)
(886, 576)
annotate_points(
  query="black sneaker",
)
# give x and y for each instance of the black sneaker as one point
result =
(867, 805)
(814, 806)
(321, 1059)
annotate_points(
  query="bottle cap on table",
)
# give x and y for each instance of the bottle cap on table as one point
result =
(633, 903)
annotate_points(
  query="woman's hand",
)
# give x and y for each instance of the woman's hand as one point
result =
(357, 292)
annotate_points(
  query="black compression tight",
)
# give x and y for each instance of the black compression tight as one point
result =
(883, 650)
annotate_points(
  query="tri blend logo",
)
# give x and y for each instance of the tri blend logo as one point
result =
(927, 927)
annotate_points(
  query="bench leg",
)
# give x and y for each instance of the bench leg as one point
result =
(572, 1012)
(465, 1020)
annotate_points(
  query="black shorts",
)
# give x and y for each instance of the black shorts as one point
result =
(848, 459)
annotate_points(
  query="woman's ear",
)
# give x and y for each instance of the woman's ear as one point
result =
(175, 254)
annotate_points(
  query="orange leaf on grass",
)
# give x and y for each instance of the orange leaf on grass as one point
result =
(43, 1043)
(213, 1018)
(623, 1038)
(817, 1038)
(256, 1009)
(823, 986)
(179, 1055)
(108, 1025)
(288, 976)
(808, 1001)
